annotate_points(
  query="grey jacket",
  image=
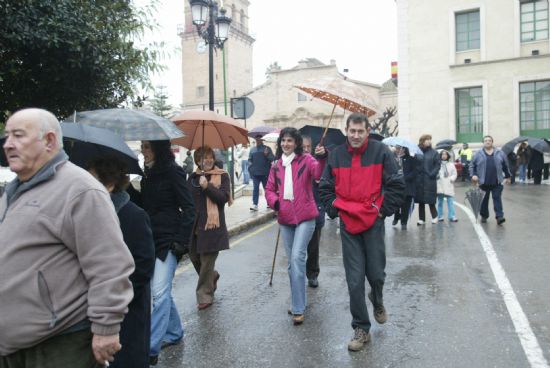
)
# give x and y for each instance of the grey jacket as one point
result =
(477, 166)
(62, 257)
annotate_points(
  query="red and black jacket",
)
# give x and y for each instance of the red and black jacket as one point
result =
(357, 184)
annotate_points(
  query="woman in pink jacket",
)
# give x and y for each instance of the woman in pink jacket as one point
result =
(290, 192)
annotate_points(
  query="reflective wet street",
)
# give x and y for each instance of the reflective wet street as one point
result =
(446, 309)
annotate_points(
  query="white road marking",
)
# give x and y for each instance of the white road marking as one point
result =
(526, 336)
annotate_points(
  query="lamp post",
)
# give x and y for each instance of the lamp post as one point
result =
(214, 30)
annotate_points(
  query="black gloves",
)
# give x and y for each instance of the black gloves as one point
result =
(332, 212)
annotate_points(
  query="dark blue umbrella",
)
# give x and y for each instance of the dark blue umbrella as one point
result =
(333, 138)
(84, 142)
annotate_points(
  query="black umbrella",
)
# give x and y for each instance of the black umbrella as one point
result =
(334, 137)
(446, 142)
(376, 137)
(475, 196)
(84, 142)
(444, 146)
(538, 144)
(261, 131)
(132, 125)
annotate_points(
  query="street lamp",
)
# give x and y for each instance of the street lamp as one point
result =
(214, 30)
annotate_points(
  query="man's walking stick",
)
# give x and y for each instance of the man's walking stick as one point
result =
(274, 257)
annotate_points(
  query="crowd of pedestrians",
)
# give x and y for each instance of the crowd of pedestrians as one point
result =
(98, 256)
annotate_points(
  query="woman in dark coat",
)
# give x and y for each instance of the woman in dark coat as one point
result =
(136, 230)
(409, 174)
(167, 200)
(427, 166)
(211, 191)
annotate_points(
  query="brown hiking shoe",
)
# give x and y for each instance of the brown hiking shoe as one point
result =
(360, 338)
(380, 314)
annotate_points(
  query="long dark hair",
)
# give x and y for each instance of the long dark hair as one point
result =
(293, 133)
(163, 152)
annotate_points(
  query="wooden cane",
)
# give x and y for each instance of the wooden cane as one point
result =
(328, 124)
(274, 257)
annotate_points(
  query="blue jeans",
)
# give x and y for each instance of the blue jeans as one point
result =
(244, 172)
(496, 192)
(166, 325)
(522, 171)
(296, 239)
(256, 180)
(450, 206)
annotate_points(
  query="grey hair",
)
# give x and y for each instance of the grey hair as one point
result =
(47, 122)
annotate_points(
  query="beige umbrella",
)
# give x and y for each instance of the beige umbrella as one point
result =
(208, 128)
(340, 92)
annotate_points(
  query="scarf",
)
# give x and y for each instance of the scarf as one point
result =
(212, 212)
(289, 188)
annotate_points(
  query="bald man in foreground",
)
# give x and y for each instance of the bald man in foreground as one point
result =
(64, 268)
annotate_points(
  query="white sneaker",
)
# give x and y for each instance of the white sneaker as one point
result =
(420, 222)
(254, 208)
(435, 220)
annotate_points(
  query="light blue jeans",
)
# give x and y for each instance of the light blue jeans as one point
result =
(296, 239)
(522, 172)
(166, 324)
(450, 206)
(244, 172)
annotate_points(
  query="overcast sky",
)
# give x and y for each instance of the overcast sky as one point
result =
(361, 35)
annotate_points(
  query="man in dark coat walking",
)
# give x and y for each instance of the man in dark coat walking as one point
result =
(312, 265)
(428, 166)
(259, 164)
(361, 184)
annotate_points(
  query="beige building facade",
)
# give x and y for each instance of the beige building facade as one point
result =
(238, 60)
(279, 104)
(468, 68)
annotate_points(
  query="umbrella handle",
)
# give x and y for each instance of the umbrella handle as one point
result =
(326, 127)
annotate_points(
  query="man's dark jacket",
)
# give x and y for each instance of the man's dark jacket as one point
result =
(258, 163)
(357, 184)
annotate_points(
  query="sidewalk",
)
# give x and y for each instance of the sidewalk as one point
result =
(240, 218)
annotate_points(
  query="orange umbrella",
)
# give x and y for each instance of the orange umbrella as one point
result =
(340, 92)
(208, 128)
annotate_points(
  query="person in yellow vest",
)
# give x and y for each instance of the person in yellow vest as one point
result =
(465, 154)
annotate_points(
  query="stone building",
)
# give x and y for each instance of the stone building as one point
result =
(472, 68)
(238, 60)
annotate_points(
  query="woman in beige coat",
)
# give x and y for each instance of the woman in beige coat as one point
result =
(445, 187)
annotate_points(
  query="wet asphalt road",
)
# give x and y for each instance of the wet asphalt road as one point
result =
(445, 308)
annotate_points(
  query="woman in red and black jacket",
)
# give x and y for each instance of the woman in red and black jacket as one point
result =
(361, 184)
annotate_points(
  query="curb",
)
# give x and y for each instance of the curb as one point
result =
(250, 223)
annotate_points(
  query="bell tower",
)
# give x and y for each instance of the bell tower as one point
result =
(238, 60)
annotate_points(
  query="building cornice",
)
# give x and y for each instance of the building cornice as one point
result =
(496, 61)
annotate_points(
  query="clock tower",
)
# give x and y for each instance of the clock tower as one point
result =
(238, 60)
